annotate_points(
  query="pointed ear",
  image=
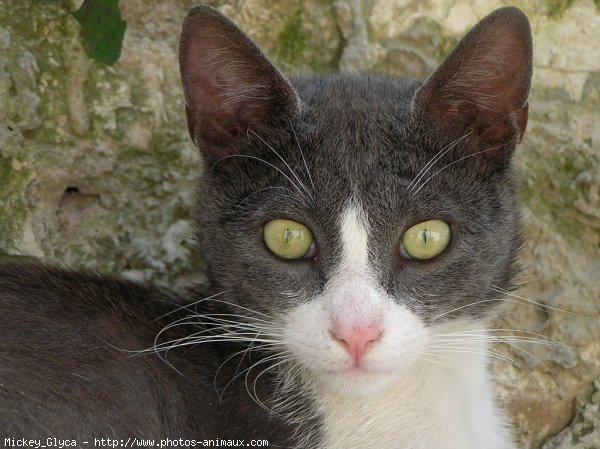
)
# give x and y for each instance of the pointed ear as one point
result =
(229, 84)
(482, 86)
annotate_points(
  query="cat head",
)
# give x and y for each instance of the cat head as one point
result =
(358, 215)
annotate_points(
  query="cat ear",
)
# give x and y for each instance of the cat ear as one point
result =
(481, 88)
(229, 84)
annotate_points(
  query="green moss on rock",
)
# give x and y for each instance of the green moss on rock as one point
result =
(13, 208)
(103, 29)
(292, 40)
(556, 174)
(556, 8)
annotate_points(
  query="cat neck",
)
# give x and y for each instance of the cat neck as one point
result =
(445, 400)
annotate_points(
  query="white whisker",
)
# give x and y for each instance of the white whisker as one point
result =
(292, 193)
(434, 159)
(284, 162)
(303, 159)
(452, 163)
(542, 306)
(247, 156)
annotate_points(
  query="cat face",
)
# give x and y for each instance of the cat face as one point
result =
(363, 169)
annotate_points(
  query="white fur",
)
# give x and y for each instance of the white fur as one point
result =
(354, 231)
(431, 406)
(402, 396)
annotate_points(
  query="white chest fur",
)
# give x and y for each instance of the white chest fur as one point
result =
(446, 405)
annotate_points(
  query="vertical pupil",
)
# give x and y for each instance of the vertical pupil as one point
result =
(426, 233)
(286, 235)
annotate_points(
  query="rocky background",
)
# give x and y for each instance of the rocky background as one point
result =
(96, 168)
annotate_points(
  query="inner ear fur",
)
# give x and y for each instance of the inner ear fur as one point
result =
(482, 86)
(229, 84)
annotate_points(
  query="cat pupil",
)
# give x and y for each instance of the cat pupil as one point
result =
(425, 235)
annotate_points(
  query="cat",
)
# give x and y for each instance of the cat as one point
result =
(357, 230)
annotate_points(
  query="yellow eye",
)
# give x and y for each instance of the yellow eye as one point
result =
(426, 240)
(288, 239)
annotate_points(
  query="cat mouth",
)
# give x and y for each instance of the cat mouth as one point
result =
(358, 380)
(358, 371)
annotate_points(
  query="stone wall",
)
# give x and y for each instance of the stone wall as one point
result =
(96, 168)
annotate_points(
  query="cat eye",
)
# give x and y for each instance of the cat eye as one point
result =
(425, 240)
(289, 239)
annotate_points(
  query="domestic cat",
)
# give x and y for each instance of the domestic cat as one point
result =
(357, 230)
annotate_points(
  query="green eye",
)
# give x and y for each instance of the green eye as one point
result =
(288, 239)
(426, 240)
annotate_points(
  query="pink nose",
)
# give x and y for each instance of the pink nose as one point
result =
(356, 339)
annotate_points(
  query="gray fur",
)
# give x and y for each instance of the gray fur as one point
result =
(408, 151)
(360, 139)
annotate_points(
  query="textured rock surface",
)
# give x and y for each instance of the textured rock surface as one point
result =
(584, 432)
(96, 169)
(96, 165)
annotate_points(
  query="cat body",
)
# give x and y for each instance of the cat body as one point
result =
(324, 325)
(69, 367)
